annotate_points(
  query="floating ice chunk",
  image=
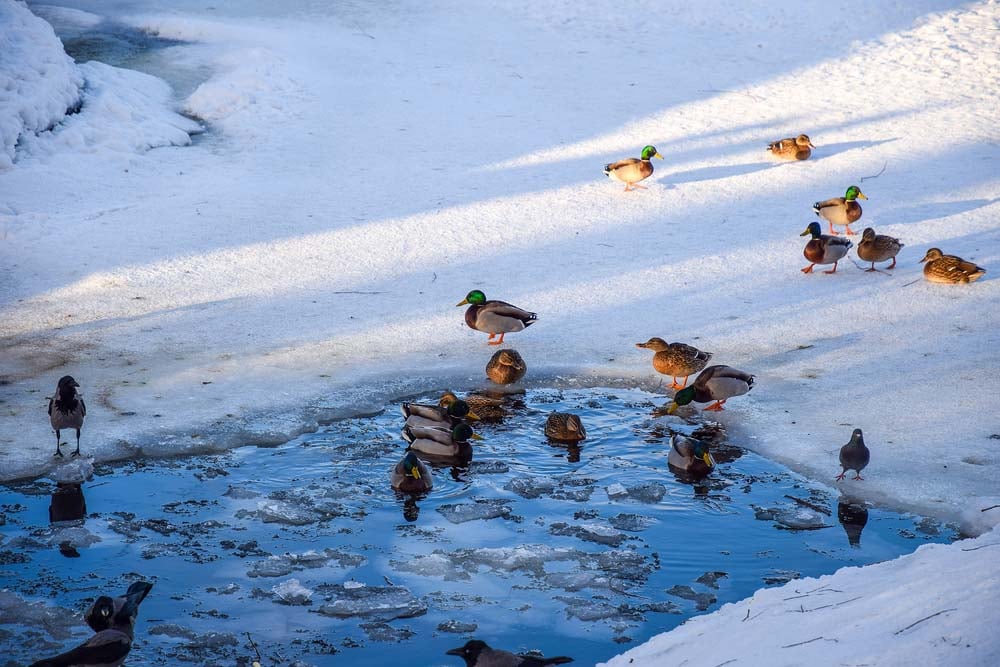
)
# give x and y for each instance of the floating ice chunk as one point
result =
(650, 492)
(800, 518)
(240, 493)
(457, 627)
(353, 585)
(616, 490)
(481, 508)
(282, 512)
(493, 467)
(531, 487)
(208, 640)
(291, 592)
(593, 610)
(279, 566)
(379, 602)
(59, 622)
(701, 600)
(380, 631)
(631, 522)
(576, 581)
(436, 564)
(591, 532)
(76, 471)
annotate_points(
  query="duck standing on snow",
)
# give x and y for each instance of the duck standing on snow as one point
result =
(494, 317)
(690, 455)
(410, 475)
(823, 249)
(66, 410)
(449, 411)
(450, 444)
(113, 621)
(841, 210)
(506, 366)
(632, 170)
(715, 383)
(878, 248)
(854, 455)
(565, 427)
(793, 148)
(477, 653)
(676, 359)
(941, 268)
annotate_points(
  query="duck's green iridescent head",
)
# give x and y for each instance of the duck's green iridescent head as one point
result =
(683, 397)
(854, 192)
(411, 464)
(458, 408)
(475, 297)
(813, 230)
(701, 451)
(463, 432)
(650, 152)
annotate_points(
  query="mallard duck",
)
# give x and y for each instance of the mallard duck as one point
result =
(793, 148)
(676, 359)
(823, 249)
(452, 443)
(448, 412)
(941, 268)
(565, 427)
(878, 248)
(690, 455)
(487, 408)
(841, 210)
(494, 317)
(632, 170)
(506, 367)
(854, 455)
(715, 383)
(410, 475)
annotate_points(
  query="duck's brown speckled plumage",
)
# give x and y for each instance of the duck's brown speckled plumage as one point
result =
(878, 248)
(676, 359)
(506, 367)
(949, 269)
(565, 427)
(792, 148)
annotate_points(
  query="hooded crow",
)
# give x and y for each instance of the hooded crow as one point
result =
(66, 410)
(477, 653)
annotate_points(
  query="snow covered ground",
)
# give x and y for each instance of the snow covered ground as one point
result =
(366, 165)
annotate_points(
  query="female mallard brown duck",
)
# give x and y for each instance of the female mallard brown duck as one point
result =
(451, 444)
(494, 317)
(449, 411)
(841, 210)
(941, 268)
(823, 249)
(410, 475)
(793, 148)
(565, 427)
(506, 367)
(690, 454)
(715, 383)
(878, 248)
(632, 170)
(676, 359)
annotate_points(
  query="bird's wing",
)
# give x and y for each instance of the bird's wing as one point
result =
(621, 163)
(108, 647)
(83, 408)
(504, 309)
(51, 401)
(836, 201)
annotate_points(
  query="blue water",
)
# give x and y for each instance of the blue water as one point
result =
(531, 577)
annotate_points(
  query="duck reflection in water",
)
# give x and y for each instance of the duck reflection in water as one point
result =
(853, 516)
(68, 503)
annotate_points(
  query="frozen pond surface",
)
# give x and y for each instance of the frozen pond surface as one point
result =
(570, 550)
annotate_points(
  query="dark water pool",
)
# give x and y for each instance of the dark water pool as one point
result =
(582, 551)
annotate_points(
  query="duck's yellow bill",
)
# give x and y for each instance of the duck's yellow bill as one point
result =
(416, 473)
(861, 195)
(462, 302)
(476, 436)
(707, 458)
(657, 155)
(805, 233)
(472, 415)
(673, 408)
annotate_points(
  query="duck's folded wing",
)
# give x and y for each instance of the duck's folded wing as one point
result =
(504, 309)
(622, 163)
(836, 201)
(108, 647)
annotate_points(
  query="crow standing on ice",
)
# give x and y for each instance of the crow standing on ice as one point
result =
(66, 410)
(476, 653)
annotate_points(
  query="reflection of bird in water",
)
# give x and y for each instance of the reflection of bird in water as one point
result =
(113, 621)
(411, 511)
(853, 516)
(68, 503)
(477, 653)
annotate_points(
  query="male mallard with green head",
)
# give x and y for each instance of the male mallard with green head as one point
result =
(453, 443)
(823, 249)
(632, 170)
(448, 412)
(715, 383)
(841, 210)
(565, 427)
(878, 248)
(410, 475)
(676, 359)
(951, 269)
(690, 454)
(494, 317)
(792, 148)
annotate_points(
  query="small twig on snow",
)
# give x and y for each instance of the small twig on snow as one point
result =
(991, 507)
(911, 282)
(810, 641)
(747, 616)
(726, 662)
(803, 610)
(982, 546)
(254, 647)
(355, 292)
(864, 178)
(943, 611)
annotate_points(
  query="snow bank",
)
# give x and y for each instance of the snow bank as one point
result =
(936, 606)
(38, 82)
